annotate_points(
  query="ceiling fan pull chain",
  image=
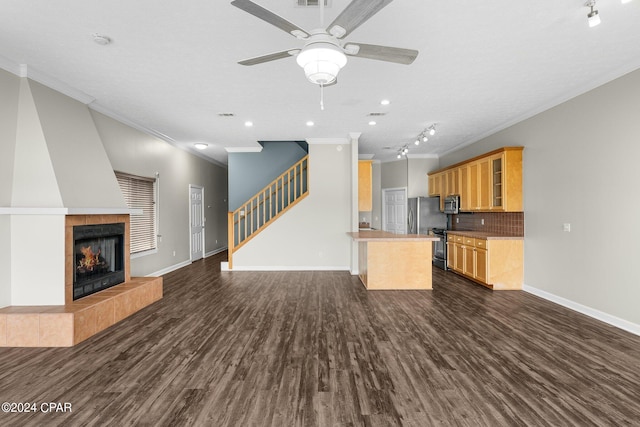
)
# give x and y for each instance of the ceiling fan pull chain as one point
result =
(321, 96)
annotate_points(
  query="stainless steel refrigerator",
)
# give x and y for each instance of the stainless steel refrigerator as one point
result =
(424, 214)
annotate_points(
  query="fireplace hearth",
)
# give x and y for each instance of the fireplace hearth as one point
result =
(98, 258)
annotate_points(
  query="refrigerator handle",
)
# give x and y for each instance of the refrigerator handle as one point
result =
(410, 221)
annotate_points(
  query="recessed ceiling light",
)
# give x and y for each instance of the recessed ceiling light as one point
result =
(201, 145)
(372, 123)
(248, 123)
(385, 102)
(310, 123)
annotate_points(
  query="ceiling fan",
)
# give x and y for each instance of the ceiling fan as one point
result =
(324, 53)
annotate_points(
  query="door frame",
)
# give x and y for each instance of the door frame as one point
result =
(201, 188)
(384, 204)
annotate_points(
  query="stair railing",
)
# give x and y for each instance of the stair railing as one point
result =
(267, 205)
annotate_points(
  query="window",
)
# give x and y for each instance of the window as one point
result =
(139, 193)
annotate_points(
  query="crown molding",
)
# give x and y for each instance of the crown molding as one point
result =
(244, 149)
(327, 141)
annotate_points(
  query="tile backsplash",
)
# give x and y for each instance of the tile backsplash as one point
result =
(501, 223)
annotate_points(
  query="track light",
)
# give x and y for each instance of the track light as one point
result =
(424, 138)
(432, 130)
(592, 17)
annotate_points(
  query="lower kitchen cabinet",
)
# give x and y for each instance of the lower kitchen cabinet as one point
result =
(493, 261)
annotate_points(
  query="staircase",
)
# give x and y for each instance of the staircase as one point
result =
(267, 205)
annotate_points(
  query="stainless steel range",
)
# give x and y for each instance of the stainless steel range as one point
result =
(440, 248)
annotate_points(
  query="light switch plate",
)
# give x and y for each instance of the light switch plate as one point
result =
(566, 227)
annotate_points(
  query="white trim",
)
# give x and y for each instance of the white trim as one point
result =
(327, 141)
(225, 267)
(564, 97)
(365, 156)
(68, 211)
(169, 269)
(591, 312)
(215, 252)
(422, 156)
(257, 149)
(201, 188)
(188, 148)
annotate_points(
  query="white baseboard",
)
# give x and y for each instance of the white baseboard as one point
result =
(591, 312)
(224, 266)
(169, 269)
(214, 252)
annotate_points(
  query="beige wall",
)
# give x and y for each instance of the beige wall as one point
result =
(581, 167)
(9, 92)
(312, 235)
(137, 153)
(417, 180)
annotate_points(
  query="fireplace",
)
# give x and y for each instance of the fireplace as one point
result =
(99, 252)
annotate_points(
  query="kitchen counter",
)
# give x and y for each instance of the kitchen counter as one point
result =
(385, 236)
(484, 235)
(394, 261)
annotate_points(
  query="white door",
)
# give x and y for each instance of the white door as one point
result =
(395, 210)
(196, 214)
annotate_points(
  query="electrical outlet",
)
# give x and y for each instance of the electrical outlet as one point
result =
(174, 253)
(481, 221)
(457, 220)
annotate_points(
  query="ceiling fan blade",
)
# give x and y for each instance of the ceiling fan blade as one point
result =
(381, 53)
(270, 17)
(354, 15)
(269, 57)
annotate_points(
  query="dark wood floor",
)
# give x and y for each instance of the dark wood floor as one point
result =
(317, 349)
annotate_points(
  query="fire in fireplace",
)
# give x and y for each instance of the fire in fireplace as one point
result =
(99, 258)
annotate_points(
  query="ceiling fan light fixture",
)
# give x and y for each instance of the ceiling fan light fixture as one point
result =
(321, 62)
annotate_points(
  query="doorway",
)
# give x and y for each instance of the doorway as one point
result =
(196, 222)
(394, 210)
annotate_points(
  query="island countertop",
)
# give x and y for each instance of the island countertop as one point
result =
(385, 236)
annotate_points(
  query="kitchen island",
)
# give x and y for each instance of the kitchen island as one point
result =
(394, 261)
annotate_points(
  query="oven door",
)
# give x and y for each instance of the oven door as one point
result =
(440, 251)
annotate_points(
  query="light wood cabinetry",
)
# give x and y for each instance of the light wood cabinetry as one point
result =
(495, 263)
(490, 182)
(365, 189)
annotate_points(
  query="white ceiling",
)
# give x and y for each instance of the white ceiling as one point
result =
(172, 67)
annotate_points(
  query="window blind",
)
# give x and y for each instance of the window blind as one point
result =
(139, 193)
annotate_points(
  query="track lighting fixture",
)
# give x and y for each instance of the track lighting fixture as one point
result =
(403, 151)
(592, 17)
(432, 129)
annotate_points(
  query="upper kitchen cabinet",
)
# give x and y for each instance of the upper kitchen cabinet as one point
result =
(506, 180)
(365, 189)
(490, 182)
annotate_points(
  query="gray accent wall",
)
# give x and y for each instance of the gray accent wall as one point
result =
(251, 172)
(138, 153)
(580, 166)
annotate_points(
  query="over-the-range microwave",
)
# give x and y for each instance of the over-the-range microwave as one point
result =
(451, 204)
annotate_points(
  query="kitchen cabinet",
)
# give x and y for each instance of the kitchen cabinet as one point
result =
(490, 182)
(492, 261)
(365, 189)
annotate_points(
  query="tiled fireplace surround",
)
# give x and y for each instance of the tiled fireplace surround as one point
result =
(69, 324)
